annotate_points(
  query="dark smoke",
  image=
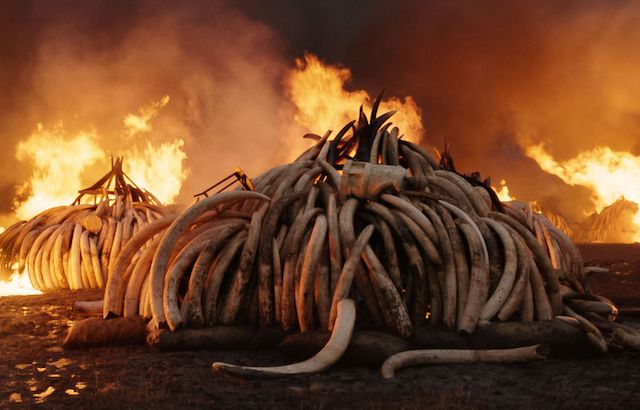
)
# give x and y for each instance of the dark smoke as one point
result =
(492, 76)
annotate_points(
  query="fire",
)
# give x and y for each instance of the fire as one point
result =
(159, 168)
(503, 192)
(318, 92)
(611, 175)
(18, 284)
(141, 122)
(59, 158)
(62, 160)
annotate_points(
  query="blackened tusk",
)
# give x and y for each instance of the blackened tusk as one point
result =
(334, 144)
(376, 104)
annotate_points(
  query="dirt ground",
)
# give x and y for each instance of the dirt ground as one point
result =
(34, 369)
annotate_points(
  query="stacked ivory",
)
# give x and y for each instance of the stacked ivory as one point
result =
(71, 247)
(364, 220)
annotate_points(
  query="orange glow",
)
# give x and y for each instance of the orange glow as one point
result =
(318, 91)
(63, 161)
(59, 159)
(609, 174)
(141, 122)
(503, 192)
(18, 284)
(159, 170)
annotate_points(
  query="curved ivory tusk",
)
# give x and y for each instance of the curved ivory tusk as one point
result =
(115, 290)
(478, 203)
(463, 215)
(448, 277)
(330, 353)
(626, 339)
(311, 262)
(508, 278)
(478, 282)
(540, 256)
(178, 227)
(332, 173)
(450, 356)
(343, 287)
(414, 213)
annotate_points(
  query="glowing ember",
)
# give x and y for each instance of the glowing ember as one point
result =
(18, 284)
(318, 91)
(609, 174)
(503, 192)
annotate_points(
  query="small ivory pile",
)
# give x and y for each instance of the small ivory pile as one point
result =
(367, 222)
(613, 224)
(71, 247)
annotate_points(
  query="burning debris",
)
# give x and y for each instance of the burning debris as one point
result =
(365, 222)
(71, 247)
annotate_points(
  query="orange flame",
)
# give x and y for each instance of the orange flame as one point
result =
(318, 91)
(141, 122)
(62, 160)
(160, 170)
(59, 159)
(609, 174)
(503, 192)
(18, 284)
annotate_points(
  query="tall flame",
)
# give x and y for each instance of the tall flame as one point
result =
(59, 159)
(159, 170)
(62, 158)
(609, 174)
(318, 91)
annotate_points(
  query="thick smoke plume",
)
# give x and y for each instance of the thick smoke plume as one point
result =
(89, 64)
(492, 77)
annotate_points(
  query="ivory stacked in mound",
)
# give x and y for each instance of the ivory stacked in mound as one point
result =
(365, 218)
(71, 247)
(365, 222)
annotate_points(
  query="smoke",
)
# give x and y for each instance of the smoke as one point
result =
(492, 77)
(90, 64)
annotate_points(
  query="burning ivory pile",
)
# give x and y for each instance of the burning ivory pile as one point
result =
(71, 247)
(364, 222)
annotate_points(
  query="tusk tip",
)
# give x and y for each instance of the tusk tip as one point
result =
(219, 366)
(543, 350)
(388, 374)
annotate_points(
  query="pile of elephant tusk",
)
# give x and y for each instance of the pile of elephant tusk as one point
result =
(71, 247)
(364, 222)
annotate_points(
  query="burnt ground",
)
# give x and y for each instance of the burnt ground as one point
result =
(34, 368)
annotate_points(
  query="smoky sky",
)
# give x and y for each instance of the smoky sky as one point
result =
(489, 76)
(88, 64)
